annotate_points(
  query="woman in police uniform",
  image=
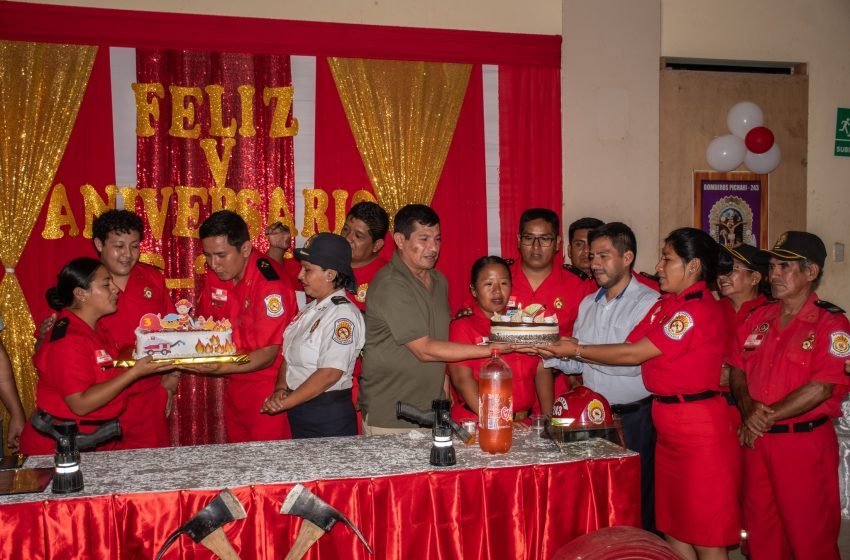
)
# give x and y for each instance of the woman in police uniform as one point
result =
(321, 345)
(680, 344)
(76, 380)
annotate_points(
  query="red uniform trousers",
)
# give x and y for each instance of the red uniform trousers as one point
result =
(791, 503)
(143, 422)
(243, 399)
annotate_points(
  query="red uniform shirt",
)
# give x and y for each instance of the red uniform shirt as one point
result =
(812, 347)
(259, 308)
(561, 292)
(734, 319)
(145, 293)
(475, 329)
(364, 276)
(68, 365)
(688, 330)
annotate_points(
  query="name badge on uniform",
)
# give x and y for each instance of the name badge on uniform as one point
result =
(102, 357)
(219, 294)
(512, 302)
(753, 341)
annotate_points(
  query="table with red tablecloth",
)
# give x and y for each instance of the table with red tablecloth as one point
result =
(520, 505)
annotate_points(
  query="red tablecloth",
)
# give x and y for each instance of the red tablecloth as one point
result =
(511, 513)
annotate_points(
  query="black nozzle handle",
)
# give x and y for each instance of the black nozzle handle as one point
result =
(446, 417)
(410, 412)
(43, 422)
(104, 432)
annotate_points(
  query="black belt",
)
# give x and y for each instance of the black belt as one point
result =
(81, 422)
(730, 398)
(798, 427)
(630, 407)
(330, 397)
(673, 399)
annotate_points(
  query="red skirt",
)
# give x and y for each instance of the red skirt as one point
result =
(697, 473)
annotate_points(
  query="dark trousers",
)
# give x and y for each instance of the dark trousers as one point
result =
(328, 415)
(640, 436)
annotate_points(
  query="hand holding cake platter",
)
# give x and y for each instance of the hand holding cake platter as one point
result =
(525, 327)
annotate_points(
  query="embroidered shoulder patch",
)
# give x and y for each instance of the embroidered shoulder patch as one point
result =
(839, 344)
(343, 331)
(678, 325)
(274, 305)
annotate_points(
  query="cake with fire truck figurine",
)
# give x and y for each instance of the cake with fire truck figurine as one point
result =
(179, 335)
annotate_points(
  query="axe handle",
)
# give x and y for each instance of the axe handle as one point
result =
(307, 537)
(217, 542)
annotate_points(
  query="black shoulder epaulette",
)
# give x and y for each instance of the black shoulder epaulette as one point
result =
(694, 295)
(831, 307)
(339, 300)
(509, 261)
(577, 271)
(59, 329)
(648, 276)
(267, 270)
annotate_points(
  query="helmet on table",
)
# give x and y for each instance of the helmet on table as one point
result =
(581, 414)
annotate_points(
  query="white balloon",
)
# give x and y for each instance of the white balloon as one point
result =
(725, 153)
(744, 117)
(763, 163)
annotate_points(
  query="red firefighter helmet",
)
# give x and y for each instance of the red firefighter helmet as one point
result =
(581, 414)
(582, 408)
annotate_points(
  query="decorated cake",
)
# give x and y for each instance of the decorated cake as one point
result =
(178, 335)
(524, 326)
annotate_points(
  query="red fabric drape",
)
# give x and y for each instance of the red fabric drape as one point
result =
(529, 146)
(460, 194)
(169, 163)
(507, 513)
(154, 30)
(88, 159)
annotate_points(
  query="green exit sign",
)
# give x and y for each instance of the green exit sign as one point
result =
(842, 132)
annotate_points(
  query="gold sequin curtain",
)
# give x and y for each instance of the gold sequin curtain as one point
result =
(41, 86)
(403, 116)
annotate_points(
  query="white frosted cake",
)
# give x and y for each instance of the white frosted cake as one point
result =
(528, 326)
(180, 336)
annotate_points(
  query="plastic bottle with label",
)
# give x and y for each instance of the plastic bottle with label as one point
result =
(495, 405)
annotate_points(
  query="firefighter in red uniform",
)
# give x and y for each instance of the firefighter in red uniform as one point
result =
(680, 343)
(246, 288)
(788, 378)
(75, 377)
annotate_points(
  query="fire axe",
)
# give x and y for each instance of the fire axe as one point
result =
(318, 517)
(206, 526)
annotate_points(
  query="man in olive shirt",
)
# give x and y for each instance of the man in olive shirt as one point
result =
(407, 327)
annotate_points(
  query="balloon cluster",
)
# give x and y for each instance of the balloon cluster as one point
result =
(750, 143)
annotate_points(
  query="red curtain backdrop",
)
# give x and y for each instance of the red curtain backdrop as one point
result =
(89, 160)
(169, 163)
(529, 146)
(504, 513)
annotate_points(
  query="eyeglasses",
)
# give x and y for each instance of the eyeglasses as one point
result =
(543, 240)
(735, 269)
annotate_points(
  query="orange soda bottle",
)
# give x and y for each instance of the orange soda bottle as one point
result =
(495, 405)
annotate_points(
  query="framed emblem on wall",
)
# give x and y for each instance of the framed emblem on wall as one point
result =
(731, 207)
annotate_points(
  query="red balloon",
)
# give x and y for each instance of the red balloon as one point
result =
(759, 140)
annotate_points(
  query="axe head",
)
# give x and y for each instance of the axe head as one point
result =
(306, 505)
(222, 510)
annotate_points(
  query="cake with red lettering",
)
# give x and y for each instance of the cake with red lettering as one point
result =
(178, 335)
(524, 326)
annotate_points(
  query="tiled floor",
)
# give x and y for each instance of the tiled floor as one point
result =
(843, 543)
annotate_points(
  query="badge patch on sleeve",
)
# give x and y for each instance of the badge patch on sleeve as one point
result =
(274, 305)
(678, 325)
(839, 344)
(343, 331)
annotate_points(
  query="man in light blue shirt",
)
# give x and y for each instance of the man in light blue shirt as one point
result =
(608, 316)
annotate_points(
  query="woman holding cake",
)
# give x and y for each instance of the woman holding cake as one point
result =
(490, 285)
(321, 345)
(680, 344)
(75, 377)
